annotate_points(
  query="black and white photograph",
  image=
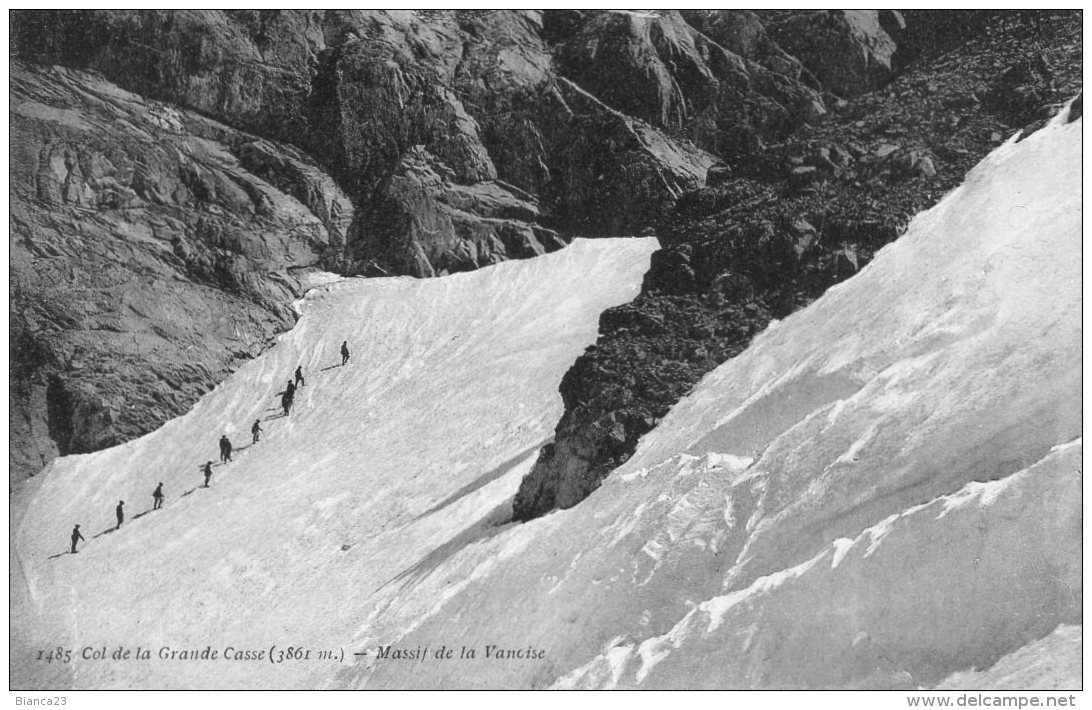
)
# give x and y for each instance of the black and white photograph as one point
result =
(568, 349)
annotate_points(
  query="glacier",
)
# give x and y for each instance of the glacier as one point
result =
(882, 491)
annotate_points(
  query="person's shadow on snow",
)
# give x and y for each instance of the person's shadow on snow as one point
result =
(107, 531)
(332, 367)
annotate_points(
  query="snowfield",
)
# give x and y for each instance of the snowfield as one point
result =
(883, 491)
(449, 394)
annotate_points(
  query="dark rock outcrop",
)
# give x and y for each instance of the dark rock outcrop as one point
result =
(425, 223)
(249, 69)
(621, 173)
(293, 173)
(772, 236)
(848, 51)
(389, 88)
(659, 68)
(1021, 90)
(742, 32)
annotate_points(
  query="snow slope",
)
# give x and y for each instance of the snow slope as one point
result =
(882, 491)
(451, 391)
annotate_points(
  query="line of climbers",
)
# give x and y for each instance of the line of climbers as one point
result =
(225, 447)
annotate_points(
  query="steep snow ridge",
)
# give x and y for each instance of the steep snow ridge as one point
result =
(912, 512)
(385, 465)
(1005, 536)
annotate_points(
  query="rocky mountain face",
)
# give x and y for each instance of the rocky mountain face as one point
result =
(773, 229)
(178, 176)
(362, 91)
(151, 249)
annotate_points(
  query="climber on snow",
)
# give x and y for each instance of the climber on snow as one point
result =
(286, 403)
(290, 390)
(120, 512)
(157, 497)
(299, 377)
(344, 352)
(225, 449)
(208, 473)
(76, 537)
(256, 430)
